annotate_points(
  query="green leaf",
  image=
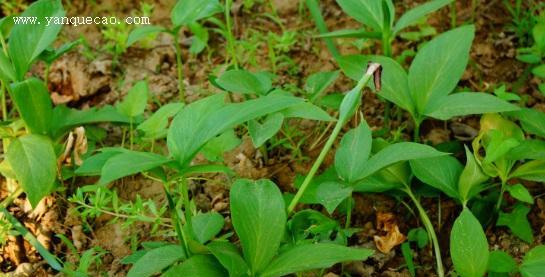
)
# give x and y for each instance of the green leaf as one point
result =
(261, 132)
(92, 166)
(136, 100)
(7, 72)
(229, 256)
(155, 260)
(318, 83)
(206, 226)
(517, 222)
(501, 262)
(538, 32)
(27, 41)
(429, 81)
(531, 120)
(395, 86)
(498, 145)
(204, 119)
(189, 11)
(353, 66)
(367, 12)
(529, 149)
(441, 173)
(142, 33)
(34, 105)
(331, 195)
(539, 71)
(245, 82)
(531, 171)
(129, 163)
(351, 33)
(472, 176)
(197, 266)
(155, 127)
(403, 151)
(418, 235)
(533, 264)
(412, 16)
(307, 111)
(214, 149)
(468, 246)
(520, 193)
(259, 218)
(313, 256)
(467, 103)
(33, 160)
(353, 152)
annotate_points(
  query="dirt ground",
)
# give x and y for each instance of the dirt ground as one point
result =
(82, 81)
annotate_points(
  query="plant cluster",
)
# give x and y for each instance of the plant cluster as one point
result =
(48, 149)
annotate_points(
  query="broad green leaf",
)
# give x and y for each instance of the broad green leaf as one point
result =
(229, 256)
(531, 171)
(33, 160)
(189, 11)
(403, 151)
(353, 66)
(155, 126)
(259, 218)
(468, 246)
(439, 65)
(520, 193)
(395, 86)
(529, 149)
(261, 132)
(501, 262)
(367, 12)
(498, 145)
(136, 100)
(307, 111)
(332, 194)
(245, 82)
(129, 163)
(351, 33)
(467, 103)
(375, 183)
(202, 120)
(27, 41)
(531, 120)
(517, 222)
(441, 173)
(313, 256)
(206, 226)
(318, 83)
(92, 166)
(34, 105)
(200, 38)
(197, 266)
(142, 33)
(539, 71)
(51, 54)
(538, 32)
(214, 149)
(472, 176)
(533, 264)
(412, 16)
(7, 73)
(353, 152)
(155, 260)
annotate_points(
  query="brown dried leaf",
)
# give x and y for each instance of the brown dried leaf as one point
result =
(392, 238)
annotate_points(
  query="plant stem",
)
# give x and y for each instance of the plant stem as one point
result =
(176, 220)
(131, 134)
(338, 126)
(416, 132)
(387, 51)
(179, 66)
(348, 212)
(502, 191)
(429, 228)
(316, 14)
(230, 38)
(453, 15)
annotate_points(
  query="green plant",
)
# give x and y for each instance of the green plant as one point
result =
(534, 54)
(184, 14)
(426, 90)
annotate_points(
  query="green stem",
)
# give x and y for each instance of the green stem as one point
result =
(453, 15)
(230, 38)
(473, 10)
(502, 191)
(179, 66)
(429, 228)
(348, 212)
(338, 126)
(176, 220)
(131, 143)
(316, 14)
(387, 51)
(416, 132)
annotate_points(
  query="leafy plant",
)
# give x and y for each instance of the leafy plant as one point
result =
(426, 90)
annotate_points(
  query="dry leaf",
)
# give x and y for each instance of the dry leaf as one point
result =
(386, 223)
(76, 146)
